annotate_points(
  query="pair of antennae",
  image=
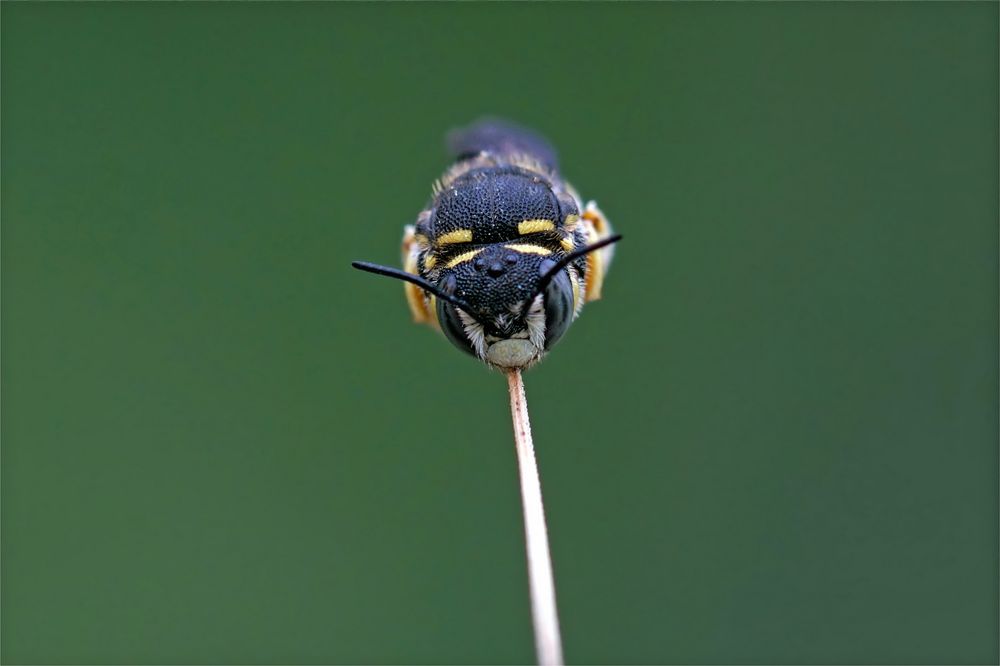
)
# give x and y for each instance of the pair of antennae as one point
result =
(543, 282)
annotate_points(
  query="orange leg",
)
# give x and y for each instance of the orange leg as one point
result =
(416, 298)
(596, 227)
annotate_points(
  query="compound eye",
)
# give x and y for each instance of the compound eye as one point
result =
(558, 308)
(452, 327)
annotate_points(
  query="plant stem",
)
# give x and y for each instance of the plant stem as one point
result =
(548, 644)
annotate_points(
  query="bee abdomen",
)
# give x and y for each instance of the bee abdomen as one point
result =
(502, 138)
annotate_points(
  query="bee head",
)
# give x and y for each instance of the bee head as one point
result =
(509, 307)
(522, 301)
(508, 324)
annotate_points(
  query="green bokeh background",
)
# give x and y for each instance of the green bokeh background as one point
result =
(774, 440)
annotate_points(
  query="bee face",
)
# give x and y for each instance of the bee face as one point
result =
(496, 282)
(516, 319)
(502, 259)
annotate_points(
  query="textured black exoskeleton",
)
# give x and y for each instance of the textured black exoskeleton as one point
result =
(504, 256)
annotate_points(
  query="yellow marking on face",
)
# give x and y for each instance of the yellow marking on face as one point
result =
(526, 248)
(462, 258)
(534, 226)
(457, 236)
(429, 261)
(571, 221)
(567, 243)
(420, 240)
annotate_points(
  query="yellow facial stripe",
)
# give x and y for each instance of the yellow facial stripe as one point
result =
(420, 240)
(429, 261)
(567, 243)
(526, 248)
(457, 236)
(462, 258)
(534, 226)
(571, 222)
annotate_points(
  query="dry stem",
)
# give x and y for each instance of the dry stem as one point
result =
(548, 644)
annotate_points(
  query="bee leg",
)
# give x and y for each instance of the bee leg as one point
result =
(596, 227)
(416, 297)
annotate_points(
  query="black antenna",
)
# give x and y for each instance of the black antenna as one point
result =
(547, 276)
(417, 280)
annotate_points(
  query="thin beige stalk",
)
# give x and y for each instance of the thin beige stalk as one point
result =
(548, 644)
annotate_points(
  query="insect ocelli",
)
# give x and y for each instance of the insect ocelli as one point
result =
(505, 254)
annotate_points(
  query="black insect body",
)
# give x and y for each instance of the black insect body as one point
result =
(505, 255)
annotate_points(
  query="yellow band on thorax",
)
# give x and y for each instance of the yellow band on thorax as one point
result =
(457, 236)
(535, 226)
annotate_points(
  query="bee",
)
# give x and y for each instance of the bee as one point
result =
(505, 255)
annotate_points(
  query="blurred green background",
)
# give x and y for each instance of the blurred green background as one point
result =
(774, 440)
